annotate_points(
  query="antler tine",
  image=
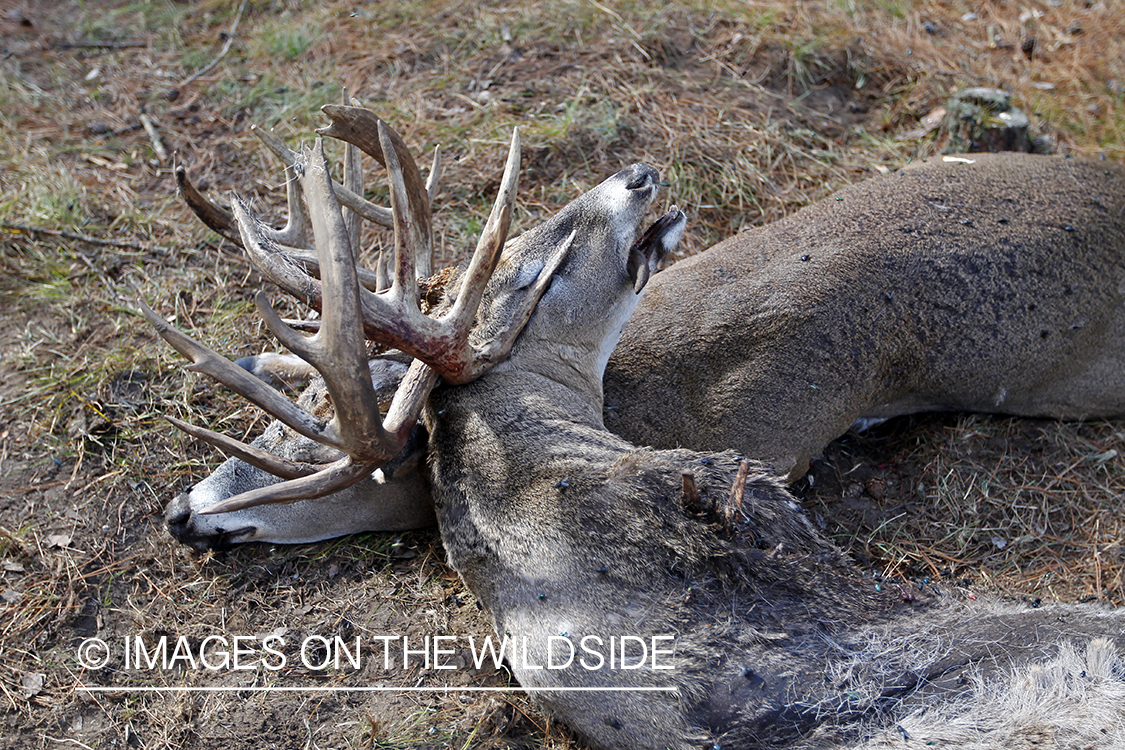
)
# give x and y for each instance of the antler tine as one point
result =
(337, 348)
(363, 207)
(491, 242)
(291, 240)
(213, 215)
(346, 196)
(410, 243)
(433, 180)
(234, 377)
(277, 265)
(295, 233)
(360, 127)
(276, 465)
(382, 273)
(393, 318)
(353, 180)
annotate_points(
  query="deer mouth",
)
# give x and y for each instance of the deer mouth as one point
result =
(664, 234)
(653, 245)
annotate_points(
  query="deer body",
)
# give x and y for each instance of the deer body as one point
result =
(994, 286)
(568, 533)
(752, 629)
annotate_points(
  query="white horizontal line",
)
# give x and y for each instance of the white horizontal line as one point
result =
(373, 689)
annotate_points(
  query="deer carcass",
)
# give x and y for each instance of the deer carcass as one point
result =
(991, 283)
(740, 626)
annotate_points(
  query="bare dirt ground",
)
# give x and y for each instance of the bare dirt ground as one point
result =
(750, 110)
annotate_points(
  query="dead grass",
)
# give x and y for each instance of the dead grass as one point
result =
(1031, 507)
(750, 109)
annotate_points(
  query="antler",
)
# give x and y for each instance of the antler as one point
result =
(393, 317)
(357, 128)
(441, 346)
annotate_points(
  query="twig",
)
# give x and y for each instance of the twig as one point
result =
(154, 137)
(222, 52)
(691, 492)
(127, 129)
(1097, 560)
(100, 45)
(67, 741)
(944, 556)
(737, 490)
(21, 229)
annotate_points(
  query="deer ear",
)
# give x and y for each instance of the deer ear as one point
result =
(657, 241)
(641, 268)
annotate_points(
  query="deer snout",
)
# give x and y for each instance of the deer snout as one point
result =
(177, 513)
(201, 532)
(178, 518)
(621, 202)
(640, 177)
(641, 181)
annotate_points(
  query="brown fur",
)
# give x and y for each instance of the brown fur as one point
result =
(996, 286)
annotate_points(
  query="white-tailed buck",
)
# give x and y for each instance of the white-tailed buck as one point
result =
(698, 606)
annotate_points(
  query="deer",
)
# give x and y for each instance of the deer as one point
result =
(941, 287)
(730, 620)
(989, 283)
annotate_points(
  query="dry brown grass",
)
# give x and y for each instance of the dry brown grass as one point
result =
(750, 109)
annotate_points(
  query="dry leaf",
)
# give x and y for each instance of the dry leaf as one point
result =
(58, 540)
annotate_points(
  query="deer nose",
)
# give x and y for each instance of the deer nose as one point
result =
(640, 176)
(178, 515)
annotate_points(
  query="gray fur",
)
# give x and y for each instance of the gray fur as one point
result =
(560, 527)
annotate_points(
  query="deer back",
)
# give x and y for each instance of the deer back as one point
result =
(989, 283)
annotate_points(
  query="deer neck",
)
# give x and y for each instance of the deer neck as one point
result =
(572, 357)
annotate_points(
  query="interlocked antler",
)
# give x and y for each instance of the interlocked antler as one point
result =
(358, 128)
(440, 346)
(393, 317)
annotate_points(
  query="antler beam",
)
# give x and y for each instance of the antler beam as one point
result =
(351, 312)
